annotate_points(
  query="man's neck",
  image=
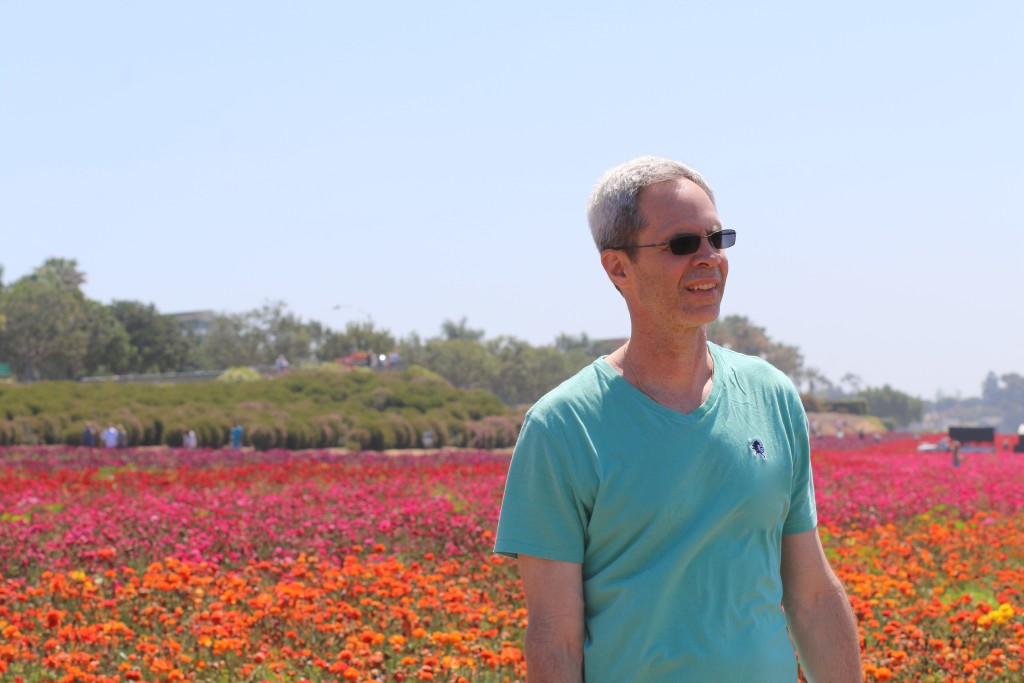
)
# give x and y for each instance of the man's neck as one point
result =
(675, 371)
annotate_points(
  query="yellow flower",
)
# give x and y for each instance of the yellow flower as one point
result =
(1000, 615)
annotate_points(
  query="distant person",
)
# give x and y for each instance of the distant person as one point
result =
(89, 436)
(236, 436)
(110, 436)
(188, 439)
(660, 503)
(955, 446)
(281, 363)
(122, 436)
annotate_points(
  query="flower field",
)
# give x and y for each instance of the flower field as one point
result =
(168, 565)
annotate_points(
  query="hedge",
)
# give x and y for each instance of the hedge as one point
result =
(357, 409)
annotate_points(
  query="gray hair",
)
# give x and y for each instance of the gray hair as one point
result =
(614, 209)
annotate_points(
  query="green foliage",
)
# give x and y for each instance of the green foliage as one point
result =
(49, 330)
(46, 333)
(109, 350)
(460, 330)
(234, 375)
(54, 332)
(738, 333)
(524, 372)
(850, 406)
(811, 403)
(894, 407)
(510, 368)
(61, 273)
(158, 343)
(357, 336)
(358, 408)
(229, 342)
(465, 363)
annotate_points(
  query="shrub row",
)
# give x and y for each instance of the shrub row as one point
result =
(358, 409)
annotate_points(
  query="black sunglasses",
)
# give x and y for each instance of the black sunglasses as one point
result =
(681, 245)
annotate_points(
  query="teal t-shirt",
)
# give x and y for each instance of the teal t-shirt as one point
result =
(677, 519)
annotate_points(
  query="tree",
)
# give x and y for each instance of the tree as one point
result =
(229, 343)
(109, 348)
(465, 363)
(46, 331)
(460, 330)
(283, 333)
(889, 404)
(259, 336)
(566, 342)
(525, 373)
(61, 272)
(786, 358)
(57, 333)
(816, 383)
(1004, 395)
(990, 389)
(158, 343)
(736, 332)
(852, 382)
(358, 336)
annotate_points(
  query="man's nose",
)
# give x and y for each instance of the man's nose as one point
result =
(706, 252)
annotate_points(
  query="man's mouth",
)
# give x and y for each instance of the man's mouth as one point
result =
(702, 287)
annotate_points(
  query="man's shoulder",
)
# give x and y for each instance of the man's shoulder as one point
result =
(583, 390)
(749, 369)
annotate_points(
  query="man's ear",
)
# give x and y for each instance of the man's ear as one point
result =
(617, 265)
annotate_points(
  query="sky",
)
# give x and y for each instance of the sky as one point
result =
(410, 163)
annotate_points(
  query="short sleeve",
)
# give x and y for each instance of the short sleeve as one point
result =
(803, 511)
(541, 512)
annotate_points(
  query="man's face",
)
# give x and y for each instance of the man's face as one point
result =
(684, 291)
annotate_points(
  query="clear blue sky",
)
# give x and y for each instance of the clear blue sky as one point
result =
(416, 162)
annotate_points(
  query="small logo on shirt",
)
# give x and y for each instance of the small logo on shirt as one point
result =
(758, 448)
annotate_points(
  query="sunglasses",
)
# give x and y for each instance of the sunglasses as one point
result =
(681, 245)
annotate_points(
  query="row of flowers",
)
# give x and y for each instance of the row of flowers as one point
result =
(165, 565)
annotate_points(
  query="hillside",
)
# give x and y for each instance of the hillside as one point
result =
(829, 424)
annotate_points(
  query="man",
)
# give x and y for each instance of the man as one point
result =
(660, 502)
(236, 436)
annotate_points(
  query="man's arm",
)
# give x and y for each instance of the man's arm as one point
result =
(818, 612)
(555, 630)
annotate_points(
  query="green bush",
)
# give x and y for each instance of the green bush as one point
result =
(850, 406)
(360, 409)
(812, 404)
(358, 439)
(262, 437)
(235, 375)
